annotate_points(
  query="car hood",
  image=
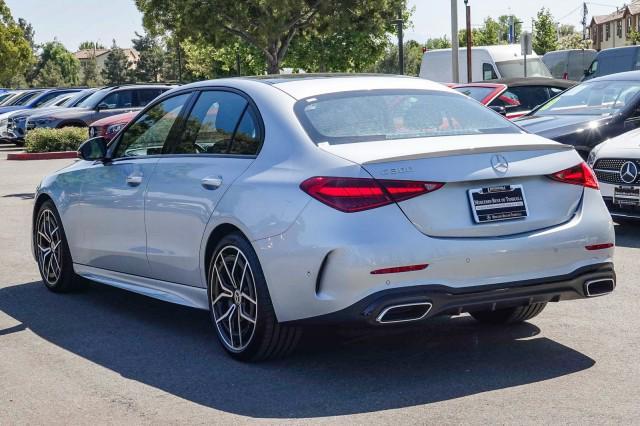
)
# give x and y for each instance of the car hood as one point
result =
(553, 126)
(626, 145)
(61, 113)
(120, 118)
(11, 108)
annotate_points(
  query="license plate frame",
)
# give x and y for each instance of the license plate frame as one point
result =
(626, 195)
(498, 203)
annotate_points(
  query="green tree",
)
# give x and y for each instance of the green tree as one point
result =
(545, 36)
(412, 59)
(116, 66)
(50, 75)
(574, 41)
(62, 60)
(90, 45)
(271, 26)
(151, 61)
(206, 62)
(439, 43)
(90, 75)
(16, 55)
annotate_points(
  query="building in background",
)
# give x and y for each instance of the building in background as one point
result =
(614, 29)
(133, 56)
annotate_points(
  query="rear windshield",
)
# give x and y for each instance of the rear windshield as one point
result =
(375, 115)
(515, 68)
(476, 92)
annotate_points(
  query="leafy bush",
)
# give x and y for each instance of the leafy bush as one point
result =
(50, 140)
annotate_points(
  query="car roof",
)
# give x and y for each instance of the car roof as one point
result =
(500, 52)
(621, 76)
(300, 86)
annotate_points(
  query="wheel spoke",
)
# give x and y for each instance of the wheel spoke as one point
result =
(43, 235)
(229, 321)
(226, 314)
(244, 270)
(239, 325)
(220, 296)
(247, 297)
(246, 317)
(226, 268)
(228, 290)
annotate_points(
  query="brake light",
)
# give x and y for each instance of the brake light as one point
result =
(577, 175)
(351, 195)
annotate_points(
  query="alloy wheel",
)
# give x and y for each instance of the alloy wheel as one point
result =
(234, 301)
(48, 242)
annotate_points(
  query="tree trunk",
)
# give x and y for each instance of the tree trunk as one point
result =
(273, 66)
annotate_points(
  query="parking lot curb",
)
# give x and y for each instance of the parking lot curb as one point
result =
(23, 156)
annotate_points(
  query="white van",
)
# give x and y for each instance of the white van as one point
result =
(487, 63)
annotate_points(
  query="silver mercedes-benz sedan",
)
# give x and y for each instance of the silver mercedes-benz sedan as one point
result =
(277, 202)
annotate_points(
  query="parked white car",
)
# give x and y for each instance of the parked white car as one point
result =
(487, 63)
(616, 163)
(283, 201)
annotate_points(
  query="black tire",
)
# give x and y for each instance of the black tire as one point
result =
(268, 339)
(509, 315)
(65, 279)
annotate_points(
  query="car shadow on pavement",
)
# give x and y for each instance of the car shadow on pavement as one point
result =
(22, 195)
(627, 234)
(335, 371)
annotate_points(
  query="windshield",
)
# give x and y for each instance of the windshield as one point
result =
(515, 68)
(476, 92)
(55, 101)
(395, 114)
(592, 98)
(93, 100)
(22, 100)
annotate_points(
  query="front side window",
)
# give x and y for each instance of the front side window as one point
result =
(148, 134)
(600, 98)
(212, 123)
(391, 115)
(117, 100)
(524, 98)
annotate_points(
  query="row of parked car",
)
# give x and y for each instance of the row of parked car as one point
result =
(24, 110)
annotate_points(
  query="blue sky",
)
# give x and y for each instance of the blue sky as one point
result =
(72, 21)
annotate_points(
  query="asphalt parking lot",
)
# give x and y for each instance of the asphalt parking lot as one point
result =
(107, 356)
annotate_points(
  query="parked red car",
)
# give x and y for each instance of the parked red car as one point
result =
(108, 127)
(515, 97)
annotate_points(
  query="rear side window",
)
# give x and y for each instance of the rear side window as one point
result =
(378, 115)
(148, 134)
(115, 100)
(518, 99)
(145, 96)
(212, 123)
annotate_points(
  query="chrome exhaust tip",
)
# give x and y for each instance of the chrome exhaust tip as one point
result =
(404, 313)
(599, 287)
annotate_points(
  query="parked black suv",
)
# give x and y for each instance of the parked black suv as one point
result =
(103, 103)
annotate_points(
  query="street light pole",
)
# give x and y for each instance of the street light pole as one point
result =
(400, 43)
(468, 10)
(455, 70)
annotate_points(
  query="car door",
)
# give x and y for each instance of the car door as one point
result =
(220, 139)
(116, 102)
(106, 218)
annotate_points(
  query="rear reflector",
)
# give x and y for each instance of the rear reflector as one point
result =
(599, 246)
(351, 195)
(577, 175)
(398, 269)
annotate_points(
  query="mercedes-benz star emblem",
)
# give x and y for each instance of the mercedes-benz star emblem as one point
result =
(629, 172)
(499, 163)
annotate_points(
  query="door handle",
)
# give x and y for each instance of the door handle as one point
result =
(134, 180)
(211, 182)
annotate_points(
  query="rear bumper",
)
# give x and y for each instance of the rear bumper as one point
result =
(444, 300)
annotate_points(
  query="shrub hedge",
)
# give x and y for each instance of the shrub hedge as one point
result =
(51, 140)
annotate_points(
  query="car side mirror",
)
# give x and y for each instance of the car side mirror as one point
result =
(102, 106)
(94, 149)
(499, 109)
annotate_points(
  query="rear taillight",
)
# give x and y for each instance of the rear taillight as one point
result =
(577, 175)
(351, 195)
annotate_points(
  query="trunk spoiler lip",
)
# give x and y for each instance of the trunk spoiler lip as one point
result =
(469, 151)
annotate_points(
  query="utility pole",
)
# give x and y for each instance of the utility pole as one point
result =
(469, 41)
(585, 12)
(455, 70)
(399, 24)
